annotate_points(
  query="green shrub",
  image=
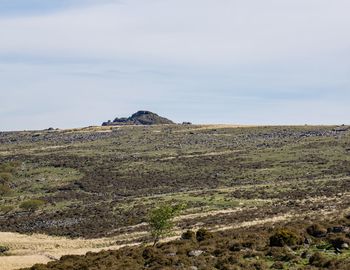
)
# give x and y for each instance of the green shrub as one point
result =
(31, 205)
(284, 237)
(160, 220)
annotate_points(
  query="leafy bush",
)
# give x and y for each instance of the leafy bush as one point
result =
(160, 220)
(32, 205)
(284, 237)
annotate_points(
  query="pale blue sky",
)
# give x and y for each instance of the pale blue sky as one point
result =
(72, 63)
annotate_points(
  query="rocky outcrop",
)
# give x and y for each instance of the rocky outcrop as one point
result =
(140, 118)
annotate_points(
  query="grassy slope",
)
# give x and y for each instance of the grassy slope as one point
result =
(96, 180)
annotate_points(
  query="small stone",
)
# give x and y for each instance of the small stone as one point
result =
(307, 241)
(345, 246)
(195, 253)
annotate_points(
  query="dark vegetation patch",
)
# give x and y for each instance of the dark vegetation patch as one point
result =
(283, 246)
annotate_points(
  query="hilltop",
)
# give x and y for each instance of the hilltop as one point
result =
(140, 118)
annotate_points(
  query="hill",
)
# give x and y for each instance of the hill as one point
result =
(100, 182)
(140, 118)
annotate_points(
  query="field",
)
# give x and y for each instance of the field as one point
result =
(100, 182)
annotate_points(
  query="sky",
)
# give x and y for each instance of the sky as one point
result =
(75, 63)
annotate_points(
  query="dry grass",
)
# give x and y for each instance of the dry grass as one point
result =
(212, 126)
(209, 154)
(26, 250)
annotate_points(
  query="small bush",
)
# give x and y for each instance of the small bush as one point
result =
(188, 235)
(161, 218)
(149, 253)
(319, 260)
(316, 230)
(235, 247)
(281, 254)
(203, 234)
(32, 205)
(284, 237)
(3, 249)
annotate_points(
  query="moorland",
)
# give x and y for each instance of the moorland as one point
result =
(236, 181)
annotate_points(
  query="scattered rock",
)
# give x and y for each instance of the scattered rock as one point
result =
(195, 253)
(338, 229)
(139, 118)
(345, 246)
(307, 241)
(339, 242)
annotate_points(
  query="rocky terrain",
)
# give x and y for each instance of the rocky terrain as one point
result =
(140, 118)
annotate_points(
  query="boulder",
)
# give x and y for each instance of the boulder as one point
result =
(195, 253)
(140, 118)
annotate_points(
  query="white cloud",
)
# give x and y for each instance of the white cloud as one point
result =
(196, 31)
